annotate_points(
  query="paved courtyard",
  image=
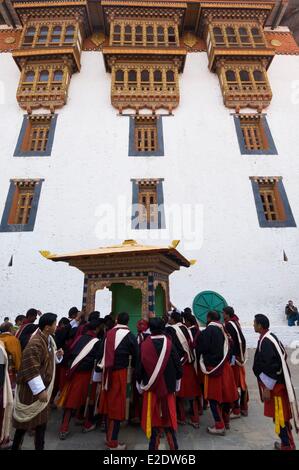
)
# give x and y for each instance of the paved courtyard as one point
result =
(253, 432)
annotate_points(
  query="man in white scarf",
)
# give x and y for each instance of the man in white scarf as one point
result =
(274, 381)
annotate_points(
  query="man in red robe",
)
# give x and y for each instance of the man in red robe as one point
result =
(119, 345)
(275, 384)
(158, 374)
(77, 391)
(182, 340)
(238, 360)
(219, 384)
(196, 404)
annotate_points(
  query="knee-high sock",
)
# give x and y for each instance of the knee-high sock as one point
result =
(225, 412)
(155, 439)
(67, 414)
(244, 400)
(39, 437)
(171, 439)
(217, 414)
(112, 432)
(194, 410)
(18, 439)
(181, 409)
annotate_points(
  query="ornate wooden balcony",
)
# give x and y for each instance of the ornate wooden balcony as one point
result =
(237, 41)
(150, 86)
(43, 86)
(244, 86)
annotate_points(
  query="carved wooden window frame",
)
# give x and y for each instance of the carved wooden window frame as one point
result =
(43, 121)
(51, 25)
(254, 135)
(119, 38)
(23, 195)
(148, 204)
(138, 123)
(272, 205)
(227, 43)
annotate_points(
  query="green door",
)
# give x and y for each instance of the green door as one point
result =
(206, 301)
(159, 301)
(127, 299)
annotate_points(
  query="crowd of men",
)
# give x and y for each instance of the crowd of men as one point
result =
(101, 374)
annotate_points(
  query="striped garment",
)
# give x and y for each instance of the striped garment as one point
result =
(37, 360)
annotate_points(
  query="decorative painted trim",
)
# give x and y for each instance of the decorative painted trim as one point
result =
(5, 226)
(47, 153)
(135, 214)
(244, 151)
(263, 222)
(160, 149)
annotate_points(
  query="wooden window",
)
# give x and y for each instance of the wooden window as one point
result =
(218, 36)
(231, 36)
(257, 37)
(171, 36)
(244, 37)
(148, 203)
(29, 77)
(37, 133)
(43, 76)
(145, 77)
(231, 76)
(128, 35)
(29, 36)
(42, 36)
(157, 78)
(38, 137)
(58, 76)
(55, 35)
(259, 78)
(271, 200)
(116, 34)
(146, 138)
(132, 77)
(253, 133)
(160, 36)
(119, 77)
(149, 35)
(170, 77)
(139, 36)
(22, 203)
(69, 34)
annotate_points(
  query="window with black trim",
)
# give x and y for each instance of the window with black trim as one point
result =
(148, 204)
(273, 208)
(254, 135)
(146, 136)
(21, 205)
(36, 136)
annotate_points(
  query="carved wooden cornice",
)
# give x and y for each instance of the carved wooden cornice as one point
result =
(76, 10)
(71, 54)
(114, 54)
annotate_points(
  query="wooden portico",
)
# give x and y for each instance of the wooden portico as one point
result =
(137, 275)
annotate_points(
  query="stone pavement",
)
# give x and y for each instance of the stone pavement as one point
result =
(253, 432)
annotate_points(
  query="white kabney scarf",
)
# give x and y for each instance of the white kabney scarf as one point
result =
(84, 352)
(7, 399)
(182, 339)
(24, 413)
(158, 365)
(244, 358)
(287, 378)
(225, 351)
(121, 333)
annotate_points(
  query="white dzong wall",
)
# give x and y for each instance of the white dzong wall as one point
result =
(89, 167)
